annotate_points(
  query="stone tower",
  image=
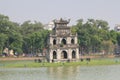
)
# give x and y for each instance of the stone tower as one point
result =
(62, 44)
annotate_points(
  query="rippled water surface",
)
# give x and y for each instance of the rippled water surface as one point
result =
(62, 73)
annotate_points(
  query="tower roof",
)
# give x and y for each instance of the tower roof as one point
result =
(61, 21)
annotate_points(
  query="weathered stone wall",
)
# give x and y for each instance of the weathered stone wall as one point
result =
(59, 51)
(62, 34)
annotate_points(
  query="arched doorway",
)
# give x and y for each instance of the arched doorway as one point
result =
(73, 54)
(54, 55)
(64, 55)
(72, 41)
(63, 41)
(54, 42)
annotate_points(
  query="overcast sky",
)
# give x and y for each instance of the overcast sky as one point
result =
(47, 10)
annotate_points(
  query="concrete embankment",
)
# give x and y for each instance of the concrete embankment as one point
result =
(19, 58)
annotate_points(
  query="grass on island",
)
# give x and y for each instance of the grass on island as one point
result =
(32, 63)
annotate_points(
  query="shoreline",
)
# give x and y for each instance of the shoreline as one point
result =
(30, 63)
(18, 58)
(33, 58)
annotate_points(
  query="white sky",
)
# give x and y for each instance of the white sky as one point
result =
(47, 10)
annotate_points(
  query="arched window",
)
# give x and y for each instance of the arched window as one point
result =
(63, 41)
(54, 42)
(54, 55)
(64, 55)
(72, 41)
(73, 54)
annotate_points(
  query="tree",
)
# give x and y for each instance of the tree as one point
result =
(28, 27)
(10, 35)
(92, 34)
(113, 35)
(108, 46)
(3, 39)
(118, 38)
(34, 37)
(30, 37)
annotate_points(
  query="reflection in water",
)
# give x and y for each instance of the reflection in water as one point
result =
(65, 73)
(22, 73)
(62, 73)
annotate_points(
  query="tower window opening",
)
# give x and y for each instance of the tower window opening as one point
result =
(54, 55)
(73, 54)
(63, 41)
(64, 55)
(54, 42)
(72, 41)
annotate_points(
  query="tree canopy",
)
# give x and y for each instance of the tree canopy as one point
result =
(28, 37)
(94, 36)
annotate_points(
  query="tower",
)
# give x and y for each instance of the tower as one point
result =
(62, 44)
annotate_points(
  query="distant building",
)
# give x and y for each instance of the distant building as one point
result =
(117, 50)
(62, 44)
(117, 47)
(117, 28)
(49, 26)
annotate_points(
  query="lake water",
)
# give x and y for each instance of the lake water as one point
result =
(62, 73)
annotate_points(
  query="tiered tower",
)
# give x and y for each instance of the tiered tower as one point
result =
(62, 44)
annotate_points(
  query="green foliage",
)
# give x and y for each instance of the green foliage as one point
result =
(118, 38)
(108, 46)
(113, 35)
(34, 37)
(30, 37)
(3, 39)
(9, 33)
(92, 34)
(31, 63)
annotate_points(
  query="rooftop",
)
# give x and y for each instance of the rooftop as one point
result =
(61, 21)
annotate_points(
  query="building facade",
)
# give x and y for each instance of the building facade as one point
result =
(62, 44)
(117, 28)
(49, 26)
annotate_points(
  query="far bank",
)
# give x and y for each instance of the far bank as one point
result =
(31, 63)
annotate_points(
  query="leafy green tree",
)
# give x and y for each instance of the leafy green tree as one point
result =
(113, 35)
(118, 38)
(102, 24)
(28, 27)
(92, 34)
(34, 37)
(30, 37)
(3, 38)
(15, 42)
(108, 46)
(10, 36)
